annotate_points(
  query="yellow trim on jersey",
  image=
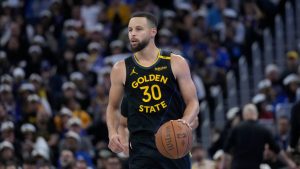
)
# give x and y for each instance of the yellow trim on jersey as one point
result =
(158, 56)
(165, 57)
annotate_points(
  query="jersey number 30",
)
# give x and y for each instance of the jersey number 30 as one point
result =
(153, 93)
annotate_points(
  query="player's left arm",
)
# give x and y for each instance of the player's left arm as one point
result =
(182, 74)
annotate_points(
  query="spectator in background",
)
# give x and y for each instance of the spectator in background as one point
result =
(6, 79)
(28, 164)
(46, 128)
(3, 114)
(82, 92)
(233, 117)
(165, 38)
(113, 162)
(7, 103)
(116, 47)
(265, 87)
(35, 59)
(168, 20)
(282, 135)
(248, 140)
(97, 34)
(18, 77)
(218, 158)
(89, 12)
(71, 41)
(7, 151)
(95, 60)
(292, 63)
(265, 113)
(118, 13)
(41, 91)
(291, 84)
(85, 69)
(69, 90)
(99, 101)
(4, 63)
(98, 131)
(251, 16)
(22, 111)
(28, 135)
(80, 163)
(72, 141)
(231, 28)
(61, 119)
(214, 13)
(271, 159)
(66, 159)
(74, 106)
(8, 131)
(272, 73)
(74, 124)
(14, 45)
(199, 159)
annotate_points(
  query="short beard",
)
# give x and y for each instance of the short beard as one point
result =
(140, 46)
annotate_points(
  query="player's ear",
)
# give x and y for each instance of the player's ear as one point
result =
(153, 32)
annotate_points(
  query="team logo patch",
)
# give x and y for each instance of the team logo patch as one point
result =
(133, 72)
(161, 68)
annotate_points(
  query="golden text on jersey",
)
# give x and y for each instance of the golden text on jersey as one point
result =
(151, 86)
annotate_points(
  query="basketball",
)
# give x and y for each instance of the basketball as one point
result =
(174, 139)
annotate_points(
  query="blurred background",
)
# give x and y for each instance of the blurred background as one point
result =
(56, 57)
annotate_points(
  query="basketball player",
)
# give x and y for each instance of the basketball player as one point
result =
(158, 88)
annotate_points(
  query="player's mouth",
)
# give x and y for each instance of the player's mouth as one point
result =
(134, 40)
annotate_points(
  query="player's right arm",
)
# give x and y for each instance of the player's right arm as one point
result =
(117, 78)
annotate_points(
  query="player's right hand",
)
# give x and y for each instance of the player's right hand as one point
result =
(115, 144)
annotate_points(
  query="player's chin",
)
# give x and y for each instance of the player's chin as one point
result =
(133, 45)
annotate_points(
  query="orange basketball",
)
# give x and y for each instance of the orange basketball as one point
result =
(174, 139)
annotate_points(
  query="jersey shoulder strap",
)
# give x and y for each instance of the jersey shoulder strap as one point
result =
(165, 54)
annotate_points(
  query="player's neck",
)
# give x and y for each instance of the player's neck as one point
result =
(149, 53)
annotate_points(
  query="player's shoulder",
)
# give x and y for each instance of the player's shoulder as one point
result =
(177, 59)
(118, 69)
(119, 65)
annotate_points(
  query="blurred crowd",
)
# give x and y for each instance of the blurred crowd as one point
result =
(56, 57)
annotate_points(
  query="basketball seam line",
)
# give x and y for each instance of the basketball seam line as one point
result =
(188, 145)
(175, 139)
(164, 145)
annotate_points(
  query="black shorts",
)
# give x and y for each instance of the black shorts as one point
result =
(144, 155)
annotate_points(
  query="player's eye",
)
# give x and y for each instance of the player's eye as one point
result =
(139, 28)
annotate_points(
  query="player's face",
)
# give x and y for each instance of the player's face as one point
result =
(139, 33)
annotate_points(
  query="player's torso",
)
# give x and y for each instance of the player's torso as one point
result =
(152, 94)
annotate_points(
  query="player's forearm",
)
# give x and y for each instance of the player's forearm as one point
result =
(112, 120)
(123, 130)
(191, 111)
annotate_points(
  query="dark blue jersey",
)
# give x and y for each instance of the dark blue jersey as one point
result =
(152, 95)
